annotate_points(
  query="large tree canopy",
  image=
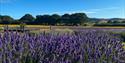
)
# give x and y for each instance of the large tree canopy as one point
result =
(6, 19)
(78, 18)
(54, 19)
(27, 18)
(65, 19)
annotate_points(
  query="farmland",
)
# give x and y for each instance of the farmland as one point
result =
(75, 28)
(62, 31)
(58, 44)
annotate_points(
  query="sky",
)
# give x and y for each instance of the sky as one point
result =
(93, 8)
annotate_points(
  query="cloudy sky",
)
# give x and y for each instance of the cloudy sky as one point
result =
(93, 8)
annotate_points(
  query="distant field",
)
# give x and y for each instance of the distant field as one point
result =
(74, 28)
(66, 26)
(26, 25)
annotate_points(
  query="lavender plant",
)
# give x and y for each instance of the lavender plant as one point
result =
(80, 47)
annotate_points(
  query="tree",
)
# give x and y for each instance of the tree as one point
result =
(27, 18)
(0, 19)
(78, 18)
(46, 19)
(116, 21)
(38, 19)
(55, 18)
(43, 19)
(6, 19)
(123, 21)
(110, 21)
(65, 19)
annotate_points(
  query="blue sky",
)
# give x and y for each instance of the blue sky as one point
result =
(93, 8)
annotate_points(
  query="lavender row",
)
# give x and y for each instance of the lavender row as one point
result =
(79, 47)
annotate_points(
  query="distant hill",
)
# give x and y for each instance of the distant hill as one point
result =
(103, 19)
(117, 19)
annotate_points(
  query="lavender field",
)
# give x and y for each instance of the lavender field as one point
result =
(62, 31)
(77, 47)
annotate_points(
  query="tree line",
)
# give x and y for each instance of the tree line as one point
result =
(55, 19)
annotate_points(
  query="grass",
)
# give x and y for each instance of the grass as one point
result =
(124, 45)
(10, 25)
(62, 26)
(26, 25)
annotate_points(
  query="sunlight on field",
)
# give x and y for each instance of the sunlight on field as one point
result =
(36, 26)
(64, 30)
(64, 26)
(124, 45)
(10, 25)
(26, 25)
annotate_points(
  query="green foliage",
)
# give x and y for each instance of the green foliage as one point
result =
(122, 35)
(27, 18)
(65, 19)
(78, 18)
(6, 19)
(74, 19)
(55, 19)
